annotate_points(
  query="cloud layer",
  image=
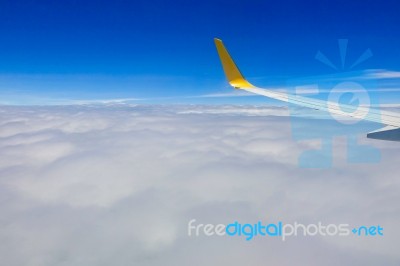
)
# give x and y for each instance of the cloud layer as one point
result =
(117, 185)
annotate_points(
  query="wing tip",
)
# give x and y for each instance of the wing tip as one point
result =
(232, 72)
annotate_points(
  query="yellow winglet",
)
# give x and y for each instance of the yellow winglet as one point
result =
(232, 72)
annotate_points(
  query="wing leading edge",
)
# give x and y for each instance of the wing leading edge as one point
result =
(391, 120)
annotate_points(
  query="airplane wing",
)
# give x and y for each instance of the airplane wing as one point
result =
(391, 120)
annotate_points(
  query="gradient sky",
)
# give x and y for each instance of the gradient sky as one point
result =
(55, 50)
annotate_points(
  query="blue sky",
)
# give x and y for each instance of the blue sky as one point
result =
(163, 51)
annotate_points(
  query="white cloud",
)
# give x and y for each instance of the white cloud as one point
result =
(383, 74)
(116, 185)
